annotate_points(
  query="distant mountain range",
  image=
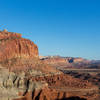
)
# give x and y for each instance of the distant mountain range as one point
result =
(70, 62)
(95, 61)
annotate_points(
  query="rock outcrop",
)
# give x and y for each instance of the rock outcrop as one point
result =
(70, 62)
(52, 87)
(12, 45)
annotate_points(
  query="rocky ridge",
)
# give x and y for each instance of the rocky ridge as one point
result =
(66, 62)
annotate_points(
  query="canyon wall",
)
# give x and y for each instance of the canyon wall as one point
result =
(12, 45)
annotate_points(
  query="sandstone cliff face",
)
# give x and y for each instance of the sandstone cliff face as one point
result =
(12, 45)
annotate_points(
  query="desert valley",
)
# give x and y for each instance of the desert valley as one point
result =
(25, 75)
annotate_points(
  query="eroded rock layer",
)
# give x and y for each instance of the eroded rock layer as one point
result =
(12, 45)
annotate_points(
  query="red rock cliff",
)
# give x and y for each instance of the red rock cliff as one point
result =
(12, 45)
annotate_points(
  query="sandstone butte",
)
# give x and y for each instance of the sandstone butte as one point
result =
(12, 45)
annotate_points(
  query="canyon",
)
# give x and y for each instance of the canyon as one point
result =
(24, 75)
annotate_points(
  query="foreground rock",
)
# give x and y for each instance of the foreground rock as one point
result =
(15, 86)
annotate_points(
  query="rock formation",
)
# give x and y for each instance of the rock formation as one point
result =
(12, 45)
(28, 86)
(65, 61)
(24, 77)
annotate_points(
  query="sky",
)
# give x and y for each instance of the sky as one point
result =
(68, 28)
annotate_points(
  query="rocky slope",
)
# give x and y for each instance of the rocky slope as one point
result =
(29, 86)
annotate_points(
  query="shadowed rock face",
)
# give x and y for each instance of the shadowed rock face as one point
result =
(73, 98)
(12, 45)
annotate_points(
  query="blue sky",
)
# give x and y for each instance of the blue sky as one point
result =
(58, 27)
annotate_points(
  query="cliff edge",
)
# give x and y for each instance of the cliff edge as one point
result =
(12, 45)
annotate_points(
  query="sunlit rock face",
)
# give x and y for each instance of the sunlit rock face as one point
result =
(12, 45)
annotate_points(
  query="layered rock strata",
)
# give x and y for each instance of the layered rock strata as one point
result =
(12, 45)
